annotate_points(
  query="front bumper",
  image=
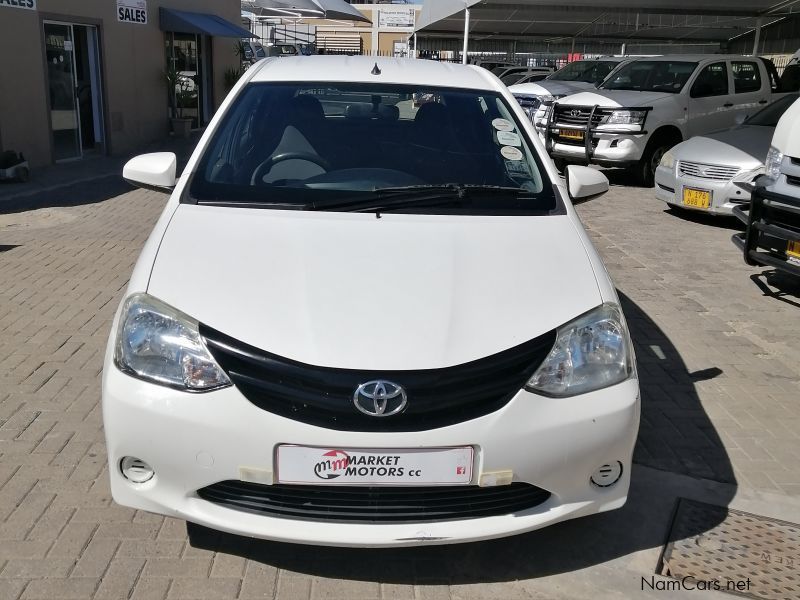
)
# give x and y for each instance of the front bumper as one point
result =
(725, 195)
(611, 150)
(608, 145)
(195, 440)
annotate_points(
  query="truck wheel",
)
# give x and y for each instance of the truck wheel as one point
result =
(645, 169)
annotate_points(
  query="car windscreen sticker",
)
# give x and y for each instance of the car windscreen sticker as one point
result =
(511, 153)
(517, 169)
(508, 138)
(503, 125)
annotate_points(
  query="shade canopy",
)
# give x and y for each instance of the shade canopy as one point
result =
(199, 23)
(337, 10)
(639, 20)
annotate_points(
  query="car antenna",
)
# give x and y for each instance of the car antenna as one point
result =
(376, 70)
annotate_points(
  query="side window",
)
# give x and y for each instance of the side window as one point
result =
(746, 77)
(712, 81)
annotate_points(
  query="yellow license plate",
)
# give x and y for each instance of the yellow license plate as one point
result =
(793, 249)
(572, 134)
(696, 198)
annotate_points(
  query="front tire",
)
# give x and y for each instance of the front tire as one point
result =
(645, 169)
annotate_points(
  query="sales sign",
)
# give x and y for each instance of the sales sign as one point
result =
(395, 17)
(27, 4)
(132, 11)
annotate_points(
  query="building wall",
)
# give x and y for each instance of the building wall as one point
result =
(376, 39)
(133, 62)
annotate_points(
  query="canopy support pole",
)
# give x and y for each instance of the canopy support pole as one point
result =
(757, 39)
(466, 36)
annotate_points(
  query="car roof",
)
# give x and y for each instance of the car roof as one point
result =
(352, 69)
(693, 57)
(608, 59)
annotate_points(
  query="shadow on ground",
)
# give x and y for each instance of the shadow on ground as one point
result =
(83, 182)
(702, 218)
(676, 435)
(78, 194)
(778, 286)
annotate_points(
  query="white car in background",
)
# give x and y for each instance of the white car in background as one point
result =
(702, 173)
(396, 331)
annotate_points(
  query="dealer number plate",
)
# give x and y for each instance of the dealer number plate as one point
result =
(572, 134)
(374, 466)
(696, 198)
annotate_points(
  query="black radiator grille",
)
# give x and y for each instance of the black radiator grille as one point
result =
(576, 115)
(374, 504)
(324, 396)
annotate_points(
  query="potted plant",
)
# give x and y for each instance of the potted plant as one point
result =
(232, 75)
(182, 90)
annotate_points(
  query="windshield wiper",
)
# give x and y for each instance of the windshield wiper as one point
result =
(418, 195)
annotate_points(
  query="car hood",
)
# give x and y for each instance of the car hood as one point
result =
(350, 290)
(745, 147)
(550, 88)
(615, 98)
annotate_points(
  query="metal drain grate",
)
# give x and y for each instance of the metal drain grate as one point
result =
(713, 547)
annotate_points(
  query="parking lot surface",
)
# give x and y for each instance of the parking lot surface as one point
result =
(717, 342)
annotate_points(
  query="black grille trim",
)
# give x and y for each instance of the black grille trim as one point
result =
(323, 396)
(357, 504)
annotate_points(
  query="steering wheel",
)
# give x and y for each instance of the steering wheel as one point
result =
(265, 166)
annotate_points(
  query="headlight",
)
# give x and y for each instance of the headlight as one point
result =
(590, 353)
(668, 160)
(530, 104)
(772, 166)
(160, 344)
(548, 100)
(626, 117)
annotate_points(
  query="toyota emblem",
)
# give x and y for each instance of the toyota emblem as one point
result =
(380, 398)
(575, 112)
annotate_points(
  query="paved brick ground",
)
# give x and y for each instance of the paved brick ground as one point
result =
(717, 345)
(717, 341)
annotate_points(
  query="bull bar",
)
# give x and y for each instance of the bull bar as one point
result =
(557, 109)
(772, 221)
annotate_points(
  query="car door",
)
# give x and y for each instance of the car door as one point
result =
(751, 87)
(710, 103)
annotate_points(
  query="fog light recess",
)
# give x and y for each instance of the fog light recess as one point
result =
(135, 469)
(607, 475)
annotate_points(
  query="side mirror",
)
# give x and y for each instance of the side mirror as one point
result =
(740, 118)
(584, 183)
(156, 171)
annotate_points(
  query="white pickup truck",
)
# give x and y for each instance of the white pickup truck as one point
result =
(650, 104)
(535, 98)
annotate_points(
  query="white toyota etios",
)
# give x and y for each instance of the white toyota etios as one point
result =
(365, 322)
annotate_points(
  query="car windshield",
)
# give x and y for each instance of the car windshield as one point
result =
(651, 76)
(588, 71)
(514, 78)
(307, 145)
(769, 116)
